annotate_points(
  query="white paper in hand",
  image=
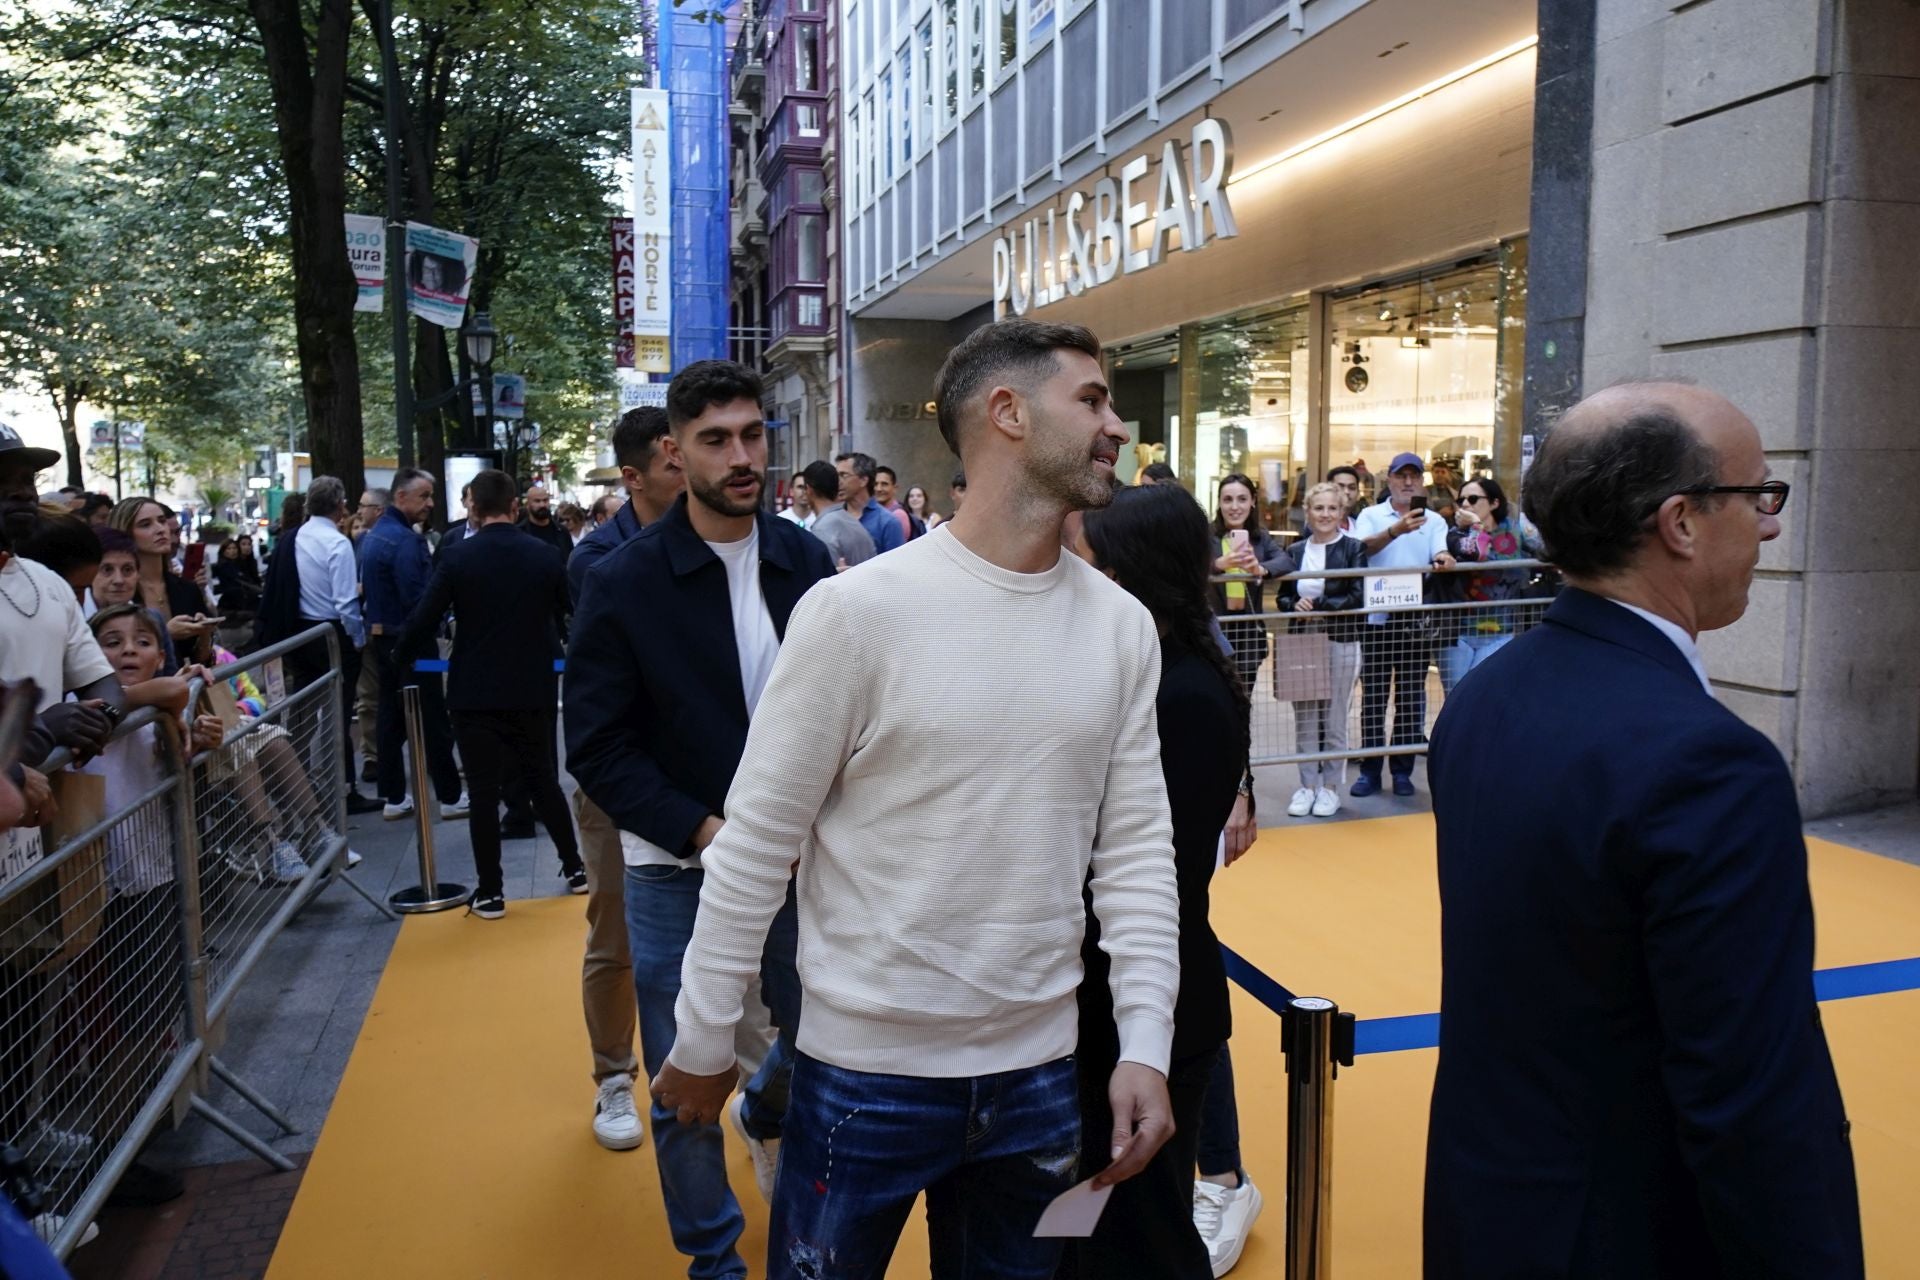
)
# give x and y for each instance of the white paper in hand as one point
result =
(1075, 1212)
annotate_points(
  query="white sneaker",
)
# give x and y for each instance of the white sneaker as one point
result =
(1302, 802)
(48, 1225)
(51, 1147)
(458, 809)
(616, 1121)
(766, 1155)
(353, 859)
(1224, 1217)
(395, 812)
(288, 866)
(1326, 803)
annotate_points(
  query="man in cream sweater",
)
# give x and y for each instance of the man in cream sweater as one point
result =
(939, 1013)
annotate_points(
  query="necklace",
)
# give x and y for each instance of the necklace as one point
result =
(25, 613)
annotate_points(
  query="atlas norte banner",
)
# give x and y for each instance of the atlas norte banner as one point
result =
(650, 245)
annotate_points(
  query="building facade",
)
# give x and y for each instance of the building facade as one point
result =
(1325, 231)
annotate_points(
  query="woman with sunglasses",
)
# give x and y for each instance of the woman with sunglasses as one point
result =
(1486, 529)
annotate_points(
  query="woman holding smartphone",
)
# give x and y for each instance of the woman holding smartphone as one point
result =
(1243, 546)
(1154, 542)
(179, 601)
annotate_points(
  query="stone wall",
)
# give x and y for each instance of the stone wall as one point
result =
(1754, 221)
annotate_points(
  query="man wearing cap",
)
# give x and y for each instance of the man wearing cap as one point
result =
(1396, 648)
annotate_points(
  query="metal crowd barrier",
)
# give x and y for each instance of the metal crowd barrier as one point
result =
(1328, 686)
(122, 947)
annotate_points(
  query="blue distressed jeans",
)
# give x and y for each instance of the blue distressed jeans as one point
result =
(990, 1152)
(702, 1213)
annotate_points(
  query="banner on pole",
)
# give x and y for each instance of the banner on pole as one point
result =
(367, 251)
(439, 274)
(623, 292)
(652, 233)
(509, 396)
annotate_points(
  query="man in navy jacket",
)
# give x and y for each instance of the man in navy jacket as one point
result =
(1633, 1080)
(673, 639)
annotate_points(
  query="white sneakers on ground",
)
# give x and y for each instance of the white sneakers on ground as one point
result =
(616, 1121)
(1224, 1217)
(458, 809)
(765, 1155)
(1318, 801)
(396, 812)
(47, 1226)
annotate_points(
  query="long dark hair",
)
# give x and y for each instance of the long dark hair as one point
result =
(1496, 496)
(1154, 541)
(1254, 526)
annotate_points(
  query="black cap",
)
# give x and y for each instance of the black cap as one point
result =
(11, 443)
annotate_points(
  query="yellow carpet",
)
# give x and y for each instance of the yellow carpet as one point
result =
(458, 1145)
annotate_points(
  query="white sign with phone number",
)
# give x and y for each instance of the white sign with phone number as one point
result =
(1394, 590)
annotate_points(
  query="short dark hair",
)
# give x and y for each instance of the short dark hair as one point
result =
(863, 465)
(1591, 491)
(112, 540)
(492, 493)
(1005, 350)
(62, 543)
(1160, 473)
(959, 480)
(1343, 470)
(637, 436)
(404, 477)
(706, 383)
(95, 501)
(822, 479)
(891, 473)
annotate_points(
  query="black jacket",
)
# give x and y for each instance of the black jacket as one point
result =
(1632, 1080)
(279, 614)
(656, 718)
(508, 593)
(553, 533)
(1203, 753)
(1344, 552)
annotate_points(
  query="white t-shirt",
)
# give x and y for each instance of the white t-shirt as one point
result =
(758, 645)
(132, 767)
(1314, 560)
(43, 634)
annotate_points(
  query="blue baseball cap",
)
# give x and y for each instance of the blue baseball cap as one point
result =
(1401, 461)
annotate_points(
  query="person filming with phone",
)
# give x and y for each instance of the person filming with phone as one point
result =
(1245, 547)
(1396, 648)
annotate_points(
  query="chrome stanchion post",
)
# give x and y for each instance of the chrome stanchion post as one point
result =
(1318, 1039)
(430, 894)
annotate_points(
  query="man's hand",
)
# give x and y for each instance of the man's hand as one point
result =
(1242, 829)
(1408, 523)
(698, 1099)
(1443, 561)
(1142, 1120)
(81, 727)
(38, 793)
(706, 833)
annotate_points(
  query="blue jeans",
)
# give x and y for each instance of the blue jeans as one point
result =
(990, 1152)
(1219, 1146)
(702, 1213)
(1466, 653)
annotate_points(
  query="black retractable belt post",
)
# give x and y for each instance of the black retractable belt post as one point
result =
(430, 894)
(1318, 1039)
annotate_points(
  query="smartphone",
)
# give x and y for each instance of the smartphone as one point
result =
(1242, 541)
(19, 700)
(196, 555)
(1419, 501)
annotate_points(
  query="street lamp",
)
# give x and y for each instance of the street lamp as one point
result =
(478, 337)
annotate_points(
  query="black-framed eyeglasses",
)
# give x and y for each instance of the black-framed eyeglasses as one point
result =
(1769, 497)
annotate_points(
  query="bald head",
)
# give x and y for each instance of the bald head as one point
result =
(539, 504)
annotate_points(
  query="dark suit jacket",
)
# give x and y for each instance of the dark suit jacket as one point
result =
(624, 525)
(656, 716)
(1633, 1080)
(508, 593)
(278, 617)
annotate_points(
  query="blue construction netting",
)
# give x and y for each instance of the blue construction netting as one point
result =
(693, 71)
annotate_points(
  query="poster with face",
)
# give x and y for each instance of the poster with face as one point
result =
(439, 274)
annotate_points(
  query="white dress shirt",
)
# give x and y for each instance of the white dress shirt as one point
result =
(329, 577)
(1676, 633)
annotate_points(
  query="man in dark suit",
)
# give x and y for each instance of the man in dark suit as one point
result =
(676, 632)
(508, 593)
(1633, 1080)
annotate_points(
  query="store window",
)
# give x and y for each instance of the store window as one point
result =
(1250, 408)
(1145, 377)
(1418, 366)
